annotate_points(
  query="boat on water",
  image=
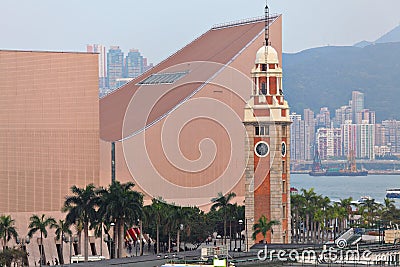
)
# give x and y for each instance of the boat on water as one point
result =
(393, 193)
(349, 170)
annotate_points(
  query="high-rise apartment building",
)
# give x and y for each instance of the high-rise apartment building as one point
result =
(115, 66)
(309, 134)
(365, 116)
(329, 143)
(392, 135)
(134, 64)
(357, 105)
(297, 137)
(101, 50)
(324, 118)
(358, 139)
(380, 139)
(366, 141)
(342, 114)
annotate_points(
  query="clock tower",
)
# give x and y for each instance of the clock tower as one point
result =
(267, 124)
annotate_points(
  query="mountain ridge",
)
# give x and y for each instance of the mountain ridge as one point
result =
(326, 76)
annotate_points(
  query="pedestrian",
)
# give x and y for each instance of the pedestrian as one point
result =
(56, 261)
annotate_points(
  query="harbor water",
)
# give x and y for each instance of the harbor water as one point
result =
(341, 187)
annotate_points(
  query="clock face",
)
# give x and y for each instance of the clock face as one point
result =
(261, 149)
(283, 149)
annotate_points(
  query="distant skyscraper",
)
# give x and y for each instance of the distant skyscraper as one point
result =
(357, 104)
(342, 114)
(101, 49)
(297, 149)
(324, 118)
(309, 135)
(349, 138)
(115, 66)
(134, 64)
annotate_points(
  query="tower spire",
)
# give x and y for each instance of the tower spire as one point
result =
(266, 23)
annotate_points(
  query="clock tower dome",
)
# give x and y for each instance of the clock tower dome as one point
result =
(267, 124)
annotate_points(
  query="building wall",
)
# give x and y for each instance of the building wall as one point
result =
(49, 128)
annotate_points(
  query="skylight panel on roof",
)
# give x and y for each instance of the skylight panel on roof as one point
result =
(163, 78)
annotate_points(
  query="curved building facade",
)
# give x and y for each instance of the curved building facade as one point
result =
(178, 128)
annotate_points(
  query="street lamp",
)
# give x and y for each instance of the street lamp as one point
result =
(240, 234)
(177, 238)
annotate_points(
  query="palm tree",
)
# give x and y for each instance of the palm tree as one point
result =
(158, 212)
(388, 210)
(81, 206)
(263, 226)
(146, 219)
(62, 228)
(120, 204)
(309, 198)
(7, 229)
(370, 206)
(297, 207)
(345, 204)
(221, 203)
(40, 224)
(171, 222)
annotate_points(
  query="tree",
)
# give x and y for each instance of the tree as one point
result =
(309, 198)
(263, 226)
(120, 204)
(9, 256)
(158, 213)
(40, 224)
(221, 202)
(297, 207)
(82, 206)
(346, 210)
(388, 211)
(371, 207)
(62, 228)
(7, 229)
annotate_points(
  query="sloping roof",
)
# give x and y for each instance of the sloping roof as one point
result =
(220, 45)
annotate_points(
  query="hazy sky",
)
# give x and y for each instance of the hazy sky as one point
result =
(159, 28)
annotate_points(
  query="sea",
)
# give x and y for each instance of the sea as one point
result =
(339, 187)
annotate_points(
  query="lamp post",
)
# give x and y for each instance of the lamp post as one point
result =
(240, 234)
(139, 222)
(177, 238)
